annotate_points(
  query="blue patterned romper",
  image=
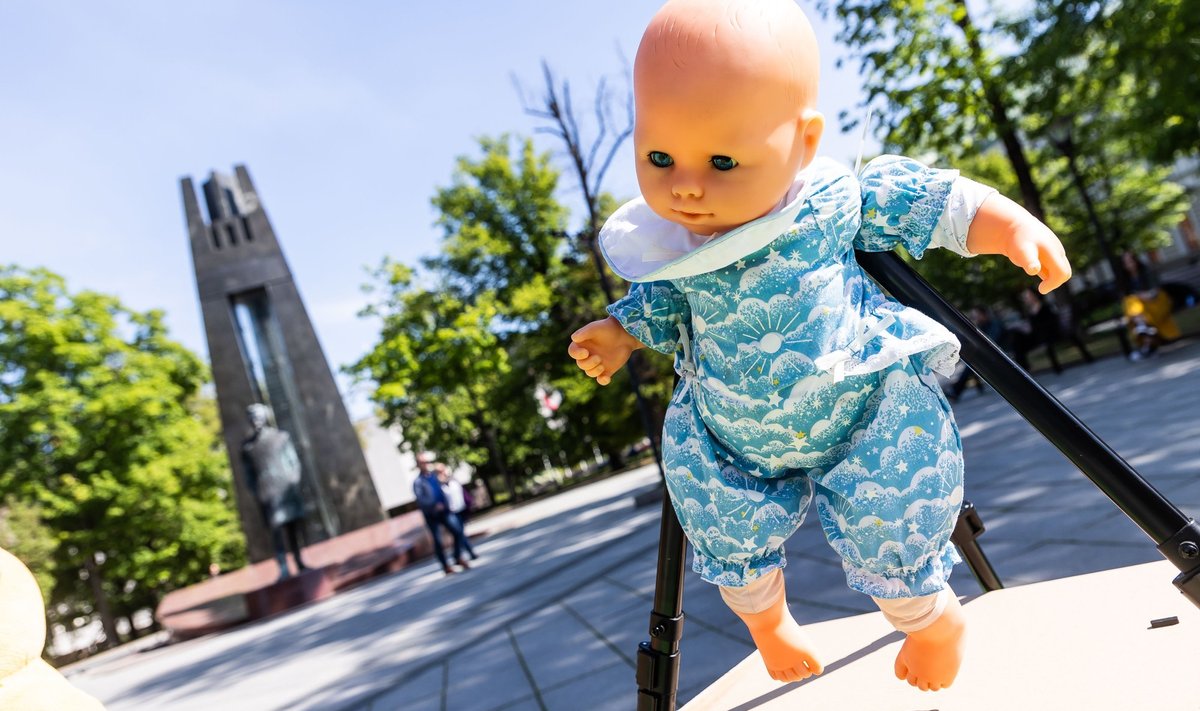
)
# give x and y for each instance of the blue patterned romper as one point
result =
(801, 381)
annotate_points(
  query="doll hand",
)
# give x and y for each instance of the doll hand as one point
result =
(1001, 226)
(1039, 252)
(601, 348)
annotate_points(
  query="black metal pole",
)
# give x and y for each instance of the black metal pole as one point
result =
(658, 659)
(966, 533)
(1177, 536)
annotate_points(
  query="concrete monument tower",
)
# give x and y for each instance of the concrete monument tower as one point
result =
(264, 350)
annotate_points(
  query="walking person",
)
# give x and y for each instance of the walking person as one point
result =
(456, 501)
(435, 507)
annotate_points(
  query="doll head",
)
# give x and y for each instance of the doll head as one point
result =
(724, 93)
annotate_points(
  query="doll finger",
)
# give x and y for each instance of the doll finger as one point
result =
(1026, 257)
(584, 333)
(1054, 274)
(577, 351)
(1049, 284)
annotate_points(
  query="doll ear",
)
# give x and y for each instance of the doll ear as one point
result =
(809, 129)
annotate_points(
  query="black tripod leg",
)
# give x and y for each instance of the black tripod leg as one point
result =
(966, 533)
(1177, 536)
(658, 659)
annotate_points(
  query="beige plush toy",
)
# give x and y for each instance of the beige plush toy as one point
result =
(27, 682)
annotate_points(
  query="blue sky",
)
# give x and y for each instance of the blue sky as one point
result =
(348, 115)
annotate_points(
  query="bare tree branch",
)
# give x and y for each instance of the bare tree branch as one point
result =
(601, 122)
(620, 139)
(557, 110)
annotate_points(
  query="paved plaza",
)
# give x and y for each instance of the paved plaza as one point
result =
(551, 616)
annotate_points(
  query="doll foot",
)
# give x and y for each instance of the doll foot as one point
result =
(930, 658)
(785, 649)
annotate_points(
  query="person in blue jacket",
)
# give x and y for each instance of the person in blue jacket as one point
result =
(435, 507)
(802, 383)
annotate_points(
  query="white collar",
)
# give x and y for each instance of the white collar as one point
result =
(641, 246)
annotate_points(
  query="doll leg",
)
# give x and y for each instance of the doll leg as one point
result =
(889, 509)
(934, 625)
(737, 523)
(762, 607)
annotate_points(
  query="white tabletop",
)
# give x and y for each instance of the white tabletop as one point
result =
(1081, 643)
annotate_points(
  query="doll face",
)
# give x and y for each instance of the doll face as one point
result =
(710, 164)
(724, 116)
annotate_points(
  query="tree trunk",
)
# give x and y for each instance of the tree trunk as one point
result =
(111, 639)
(1031, 197)
(493, 442)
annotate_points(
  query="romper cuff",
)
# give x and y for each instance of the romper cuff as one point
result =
(966, 196)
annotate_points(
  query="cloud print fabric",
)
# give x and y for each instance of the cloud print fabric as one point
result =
(801, 381)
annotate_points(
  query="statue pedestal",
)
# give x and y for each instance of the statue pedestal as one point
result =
(255, 591)
(307, 586)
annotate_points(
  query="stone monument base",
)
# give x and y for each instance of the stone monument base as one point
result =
(285, 593)
(256, 591)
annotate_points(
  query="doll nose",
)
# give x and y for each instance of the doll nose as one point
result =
(687, 188)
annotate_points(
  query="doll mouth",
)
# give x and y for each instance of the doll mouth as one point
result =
(691, 215)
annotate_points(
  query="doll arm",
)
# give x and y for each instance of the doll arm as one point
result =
(651, 312)
(648, 316)
(601, 348)
(906, 202)
(1001, 226)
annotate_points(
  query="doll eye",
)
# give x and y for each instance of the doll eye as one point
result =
(723, 162)
(660, 159)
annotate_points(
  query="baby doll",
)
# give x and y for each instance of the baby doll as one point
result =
(801, 382)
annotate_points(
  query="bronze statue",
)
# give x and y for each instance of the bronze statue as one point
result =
(273, 475)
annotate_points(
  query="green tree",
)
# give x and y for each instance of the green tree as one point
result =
(23, 534)
(949, 86)
(1137, 57)
(1086, 101)
(102, 430)
(467, 341)
(939, 87)
(435, 367)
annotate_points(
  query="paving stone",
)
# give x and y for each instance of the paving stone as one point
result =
(611, 688)
(423, 691)
(705, 656)
(556, 646)
(603, 598)
(486, 677)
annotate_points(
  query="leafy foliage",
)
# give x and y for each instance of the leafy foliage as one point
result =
(1133, 61)
(23, 534)
(467, 341)
(958, 92)
(102, 432)
(920, 74)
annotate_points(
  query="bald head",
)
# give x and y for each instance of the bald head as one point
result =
(767, 42)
